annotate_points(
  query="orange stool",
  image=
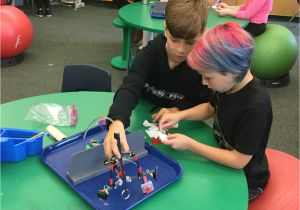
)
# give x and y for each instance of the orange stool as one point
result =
(282, 190)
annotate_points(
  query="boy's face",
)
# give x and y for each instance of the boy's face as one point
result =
(178, 49)
(218, 81)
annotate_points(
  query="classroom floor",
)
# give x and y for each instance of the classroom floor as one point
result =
(87, 36)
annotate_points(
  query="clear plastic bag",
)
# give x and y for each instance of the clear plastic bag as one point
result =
(53, 114)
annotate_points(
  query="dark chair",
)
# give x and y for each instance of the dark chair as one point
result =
(84, 77)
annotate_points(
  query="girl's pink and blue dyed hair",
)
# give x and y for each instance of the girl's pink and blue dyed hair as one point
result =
(224, 48)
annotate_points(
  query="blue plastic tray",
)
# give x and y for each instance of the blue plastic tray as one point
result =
(17, 144)
(158, 10)
(56, 157)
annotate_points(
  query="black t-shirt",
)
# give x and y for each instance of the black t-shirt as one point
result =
(150, 77)
(242, 122)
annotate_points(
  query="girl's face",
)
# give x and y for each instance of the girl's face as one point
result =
(219, 81)
(178, 49)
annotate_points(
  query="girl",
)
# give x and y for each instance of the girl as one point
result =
(257, 11)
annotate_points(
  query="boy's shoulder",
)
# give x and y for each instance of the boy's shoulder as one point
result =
(159, 40)
(157, 45)
(256, 93)
(257, 86)
(253, 93)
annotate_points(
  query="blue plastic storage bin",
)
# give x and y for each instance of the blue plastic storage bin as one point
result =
(17, 144)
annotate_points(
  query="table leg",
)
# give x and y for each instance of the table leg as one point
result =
(124, 61)
(147, 36)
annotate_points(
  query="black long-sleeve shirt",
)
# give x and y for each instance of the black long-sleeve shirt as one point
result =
(151, 77)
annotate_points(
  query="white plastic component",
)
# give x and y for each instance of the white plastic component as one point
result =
(119, 182)
(147, 124)
(163, 136)
(55, 133)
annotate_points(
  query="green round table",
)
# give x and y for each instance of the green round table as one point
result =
(29, 184)
(137, 15)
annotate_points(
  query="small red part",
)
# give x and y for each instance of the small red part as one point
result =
(148, 190)
(111, 166)
(140, 171)
(155, 140)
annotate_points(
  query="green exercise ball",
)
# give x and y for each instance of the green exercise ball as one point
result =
(275, 53)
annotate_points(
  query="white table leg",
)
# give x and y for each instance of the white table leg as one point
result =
(147, 36)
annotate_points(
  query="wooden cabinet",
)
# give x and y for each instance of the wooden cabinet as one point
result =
(285, 7)
(280, 7)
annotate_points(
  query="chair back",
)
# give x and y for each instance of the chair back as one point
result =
(85, 77)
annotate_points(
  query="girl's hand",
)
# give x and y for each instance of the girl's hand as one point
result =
(157, 116)
(223, 5)
(222, 12)
(178, 141)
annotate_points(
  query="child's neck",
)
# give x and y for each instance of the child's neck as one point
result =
(248, 78)
(172, 64)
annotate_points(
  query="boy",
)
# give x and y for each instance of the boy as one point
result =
(160, 73)
(240, 105)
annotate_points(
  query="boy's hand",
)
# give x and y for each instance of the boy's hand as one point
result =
(110, 143)
(178, 141)
(157, 116)
(168, 120)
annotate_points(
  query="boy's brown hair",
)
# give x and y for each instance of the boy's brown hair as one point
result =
(185, 19)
